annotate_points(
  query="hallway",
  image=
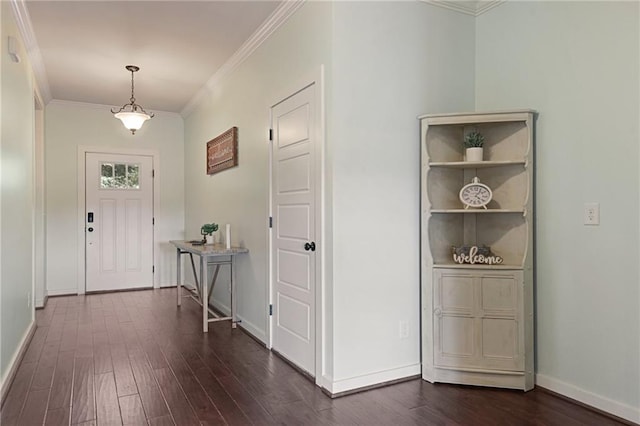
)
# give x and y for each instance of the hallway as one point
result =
(133, 358)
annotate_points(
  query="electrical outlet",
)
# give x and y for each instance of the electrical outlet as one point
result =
(403, 329)
(592, 213)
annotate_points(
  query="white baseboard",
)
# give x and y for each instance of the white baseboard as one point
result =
(247, 325)
(252, 329)
(221, 307)
(616, 408)
(325, 382)
(366, 380)
(5, 383)
(63, 292)
(167, 285)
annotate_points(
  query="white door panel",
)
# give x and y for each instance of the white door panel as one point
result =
(293, 316)
(294, 174)
(119, 236)
(293, 222)
(293, 269)
(106, 238)
(294, 192)
(292, 126)
(133, 223)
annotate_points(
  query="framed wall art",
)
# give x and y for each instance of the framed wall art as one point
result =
(222, 151)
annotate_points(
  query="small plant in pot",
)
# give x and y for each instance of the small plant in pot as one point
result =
(207, 231)
(473, 142)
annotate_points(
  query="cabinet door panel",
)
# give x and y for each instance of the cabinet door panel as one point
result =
(455, 330)
(500, 344)
(499, 295)
(456, 294)
(501, 311)
(476, 319)
(457, 337)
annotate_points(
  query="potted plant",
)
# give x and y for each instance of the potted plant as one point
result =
(207, 231)
(473, 142)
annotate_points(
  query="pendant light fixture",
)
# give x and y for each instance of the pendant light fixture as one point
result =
(132, 115)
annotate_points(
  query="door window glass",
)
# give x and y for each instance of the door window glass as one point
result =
(119, 176)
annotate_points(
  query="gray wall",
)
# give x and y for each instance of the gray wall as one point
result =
(240, 196)
(16, 196)
(70, 125)
(385, 63)
(577, 63)
(392, 62)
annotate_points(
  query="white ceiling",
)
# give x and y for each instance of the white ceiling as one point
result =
(178, 45)
(79, 48)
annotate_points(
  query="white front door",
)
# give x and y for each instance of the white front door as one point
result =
(294, 241)
(118, 221)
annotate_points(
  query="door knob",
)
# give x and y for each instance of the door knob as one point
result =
(310, 246)
(90, 229)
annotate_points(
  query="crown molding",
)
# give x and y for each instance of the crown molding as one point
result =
(484, 6)
(23, 21)
(268, 27)
(476, 9)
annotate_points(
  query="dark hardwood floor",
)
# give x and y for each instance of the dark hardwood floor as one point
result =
(133, 358)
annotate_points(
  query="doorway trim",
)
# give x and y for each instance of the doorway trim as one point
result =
(39, 246)
(82, 151)
(316, 78)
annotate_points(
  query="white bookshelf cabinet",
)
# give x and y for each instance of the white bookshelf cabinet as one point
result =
(477, 320)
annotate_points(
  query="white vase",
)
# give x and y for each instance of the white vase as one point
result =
(473, 154)
(209, 239)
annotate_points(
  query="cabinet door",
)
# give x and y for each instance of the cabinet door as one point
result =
(477, 319)
(454, 322)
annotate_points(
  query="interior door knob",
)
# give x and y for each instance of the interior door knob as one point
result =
(90, 229)
(310, 246)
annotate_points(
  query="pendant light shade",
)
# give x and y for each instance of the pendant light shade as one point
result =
(132, 115)
(132, 120)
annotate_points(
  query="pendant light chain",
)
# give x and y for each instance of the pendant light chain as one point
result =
(132, 115)
(132, 99)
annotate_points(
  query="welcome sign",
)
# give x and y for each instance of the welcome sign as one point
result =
(475, 255)
(222, 151)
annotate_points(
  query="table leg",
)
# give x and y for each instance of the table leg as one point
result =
(179, 276)
(204, 293)
(195, 275)
(233, 290)
(213, 280)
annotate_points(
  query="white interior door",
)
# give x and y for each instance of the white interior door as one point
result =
(294, 240)
(118, 221)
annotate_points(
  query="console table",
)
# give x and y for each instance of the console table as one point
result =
(209, 254)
